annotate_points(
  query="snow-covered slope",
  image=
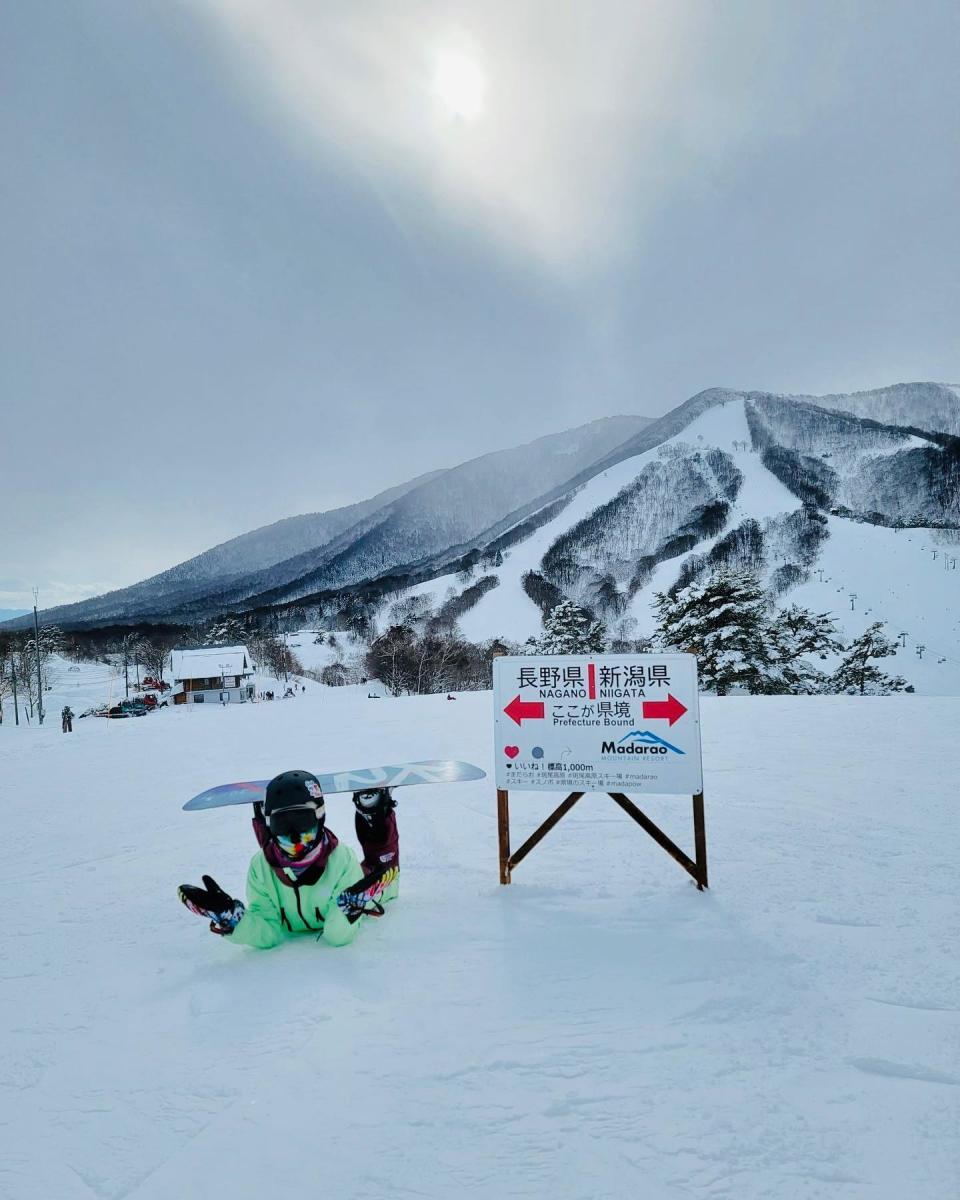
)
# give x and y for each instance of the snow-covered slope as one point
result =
(507, 611)
(860, 467)
(79, 685)
(713, 493)
(597, 1031)
(446, 514)
(895, 578)
(606, 513)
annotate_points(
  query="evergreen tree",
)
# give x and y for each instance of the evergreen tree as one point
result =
(795, 633)
(857, 675)
(723, 620)
(226, 631)
(569, 630)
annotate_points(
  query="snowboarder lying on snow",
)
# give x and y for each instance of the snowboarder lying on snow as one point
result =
(303, 879)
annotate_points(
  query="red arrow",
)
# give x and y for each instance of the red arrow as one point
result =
(670, 709)
(518, 710)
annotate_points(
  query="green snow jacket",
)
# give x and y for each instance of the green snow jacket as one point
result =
(275, 912)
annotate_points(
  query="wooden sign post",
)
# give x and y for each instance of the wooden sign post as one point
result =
(593, 722)
(696, 867)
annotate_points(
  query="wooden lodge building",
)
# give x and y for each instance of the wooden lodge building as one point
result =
(212, 675)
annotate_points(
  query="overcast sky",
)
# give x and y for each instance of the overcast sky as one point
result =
(262, 257)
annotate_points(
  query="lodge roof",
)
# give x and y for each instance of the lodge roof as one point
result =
(207, 662)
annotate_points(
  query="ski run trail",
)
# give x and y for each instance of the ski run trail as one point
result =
(599, 1030)
(896, 575)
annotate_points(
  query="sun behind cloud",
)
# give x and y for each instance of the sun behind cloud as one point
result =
(557, 131)
(459, 85)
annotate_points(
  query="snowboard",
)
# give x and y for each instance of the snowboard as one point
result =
(432, 770)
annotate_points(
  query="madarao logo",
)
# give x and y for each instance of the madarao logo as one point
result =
(639, 742)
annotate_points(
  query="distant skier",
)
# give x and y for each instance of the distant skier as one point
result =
(303, 879)
(66, 719)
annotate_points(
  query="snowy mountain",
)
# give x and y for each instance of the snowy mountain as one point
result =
(933, 406)
(271, 544)
(821, 502)
(448, 515)
(617, 510)
(435, 513)
(249, 552)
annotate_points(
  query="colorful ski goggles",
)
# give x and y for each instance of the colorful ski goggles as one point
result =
(295, 823)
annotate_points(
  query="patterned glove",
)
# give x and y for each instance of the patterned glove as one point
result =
(212, 902)
(362, 899)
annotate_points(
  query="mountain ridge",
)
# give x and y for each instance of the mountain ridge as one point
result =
(351, 528)
(833, 458)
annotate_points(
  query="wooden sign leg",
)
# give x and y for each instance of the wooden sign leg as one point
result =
(503, 828)
(700, 840)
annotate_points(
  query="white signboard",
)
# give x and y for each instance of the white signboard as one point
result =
(603, 722)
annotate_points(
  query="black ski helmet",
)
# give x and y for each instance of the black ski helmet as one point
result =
(290, 792)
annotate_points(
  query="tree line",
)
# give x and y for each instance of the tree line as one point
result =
(742, 640)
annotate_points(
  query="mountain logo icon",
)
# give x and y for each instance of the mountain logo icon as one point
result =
(635, 741)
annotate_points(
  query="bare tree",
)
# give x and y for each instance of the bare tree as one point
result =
(154, 653)
(271, 653)
(6, 679)
(25, 656)
(389, 658)
(429, 663)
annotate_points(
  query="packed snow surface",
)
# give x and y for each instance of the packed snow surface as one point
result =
(598, 1030)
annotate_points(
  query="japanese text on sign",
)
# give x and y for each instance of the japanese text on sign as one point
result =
(598, 722)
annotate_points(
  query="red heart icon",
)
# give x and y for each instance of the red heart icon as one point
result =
(511, 751)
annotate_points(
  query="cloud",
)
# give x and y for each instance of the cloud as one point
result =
(16, 593)
(591, 114)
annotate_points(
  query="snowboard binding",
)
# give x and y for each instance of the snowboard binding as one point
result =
(373, 803)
